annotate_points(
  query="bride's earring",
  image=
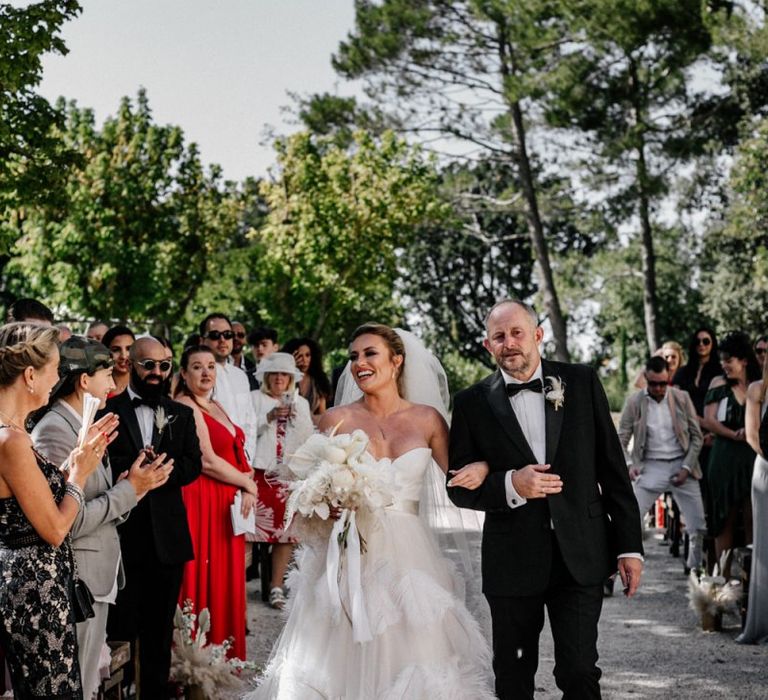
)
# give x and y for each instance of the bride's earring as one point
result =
(31, 389)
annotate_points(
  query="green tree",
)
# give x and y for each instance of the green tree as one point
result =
(142, 220)
(470, 71)
(628, 86)
(337, 220)
(33, 160)
(735, 260)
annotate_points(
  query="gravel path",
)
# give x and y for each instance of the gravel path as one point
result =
(650, 646)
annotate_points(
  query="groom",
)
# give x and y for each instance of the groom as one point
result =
(560, 513)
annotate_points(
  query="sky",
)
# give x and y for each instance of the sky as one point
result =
(220, 70)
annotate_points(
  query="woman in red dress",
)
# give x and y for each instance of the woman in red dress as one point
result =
(215, 579)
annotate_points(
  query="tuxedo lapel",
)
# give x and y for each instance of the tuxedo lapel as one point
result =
(553, 418)
(497, 397)
(128, 419)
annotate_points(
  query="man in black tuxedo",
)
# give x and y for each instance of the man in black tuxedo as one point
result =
(154, 541)
(560, 512)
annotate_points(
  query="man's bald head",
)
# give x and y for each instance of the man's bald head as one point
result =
(499, 305)
(147, 348)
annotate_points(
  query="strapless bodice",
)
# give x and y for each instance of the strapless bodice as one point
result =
(409, 469)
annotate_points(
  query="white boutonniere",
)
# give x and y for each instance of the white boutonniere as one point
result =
(162, 421)
(554, 391)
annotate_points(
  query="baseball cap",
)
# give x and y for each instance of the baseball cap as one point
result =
(79, 354)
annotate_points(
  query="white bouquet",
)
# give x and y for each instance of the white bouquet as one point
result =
(335, 475)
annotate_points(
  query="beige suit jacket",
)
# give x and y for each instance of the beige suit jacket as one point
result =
(634, 423)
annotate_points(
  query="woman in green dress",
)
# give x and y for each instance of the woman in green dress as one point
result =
(731, 460)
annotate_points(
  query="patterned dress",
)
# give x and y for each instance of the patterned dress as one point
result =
(38, 626)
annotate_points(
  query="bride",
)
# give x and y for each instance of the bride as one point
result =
(425, 642)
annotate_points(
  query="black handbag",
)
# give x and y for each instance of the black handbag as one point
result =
(82, 600)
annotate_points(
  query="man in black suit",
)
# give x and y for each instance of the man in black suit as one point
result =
(560, 512)
(154, 541)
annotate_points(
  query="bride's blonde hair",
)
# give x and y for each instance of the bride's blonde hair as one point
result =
(24, 345)
(393, 342)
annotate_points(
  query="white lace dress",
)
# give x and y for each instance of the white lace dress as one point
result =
(425, 644)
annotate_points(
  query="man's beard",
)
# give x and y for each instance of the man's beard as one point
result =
(149, 391)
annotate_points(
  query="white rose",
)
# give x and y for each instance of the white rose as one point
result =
(334, 454)
(342, 480)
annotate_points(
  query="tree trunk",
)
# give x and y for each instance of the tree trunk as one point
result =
(535, 227)
(648, 257)
(539, 244)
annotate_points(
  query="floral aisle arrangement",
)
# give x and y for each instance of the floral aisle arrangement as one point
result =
(203, 669)
(711, 596)
(334, 486)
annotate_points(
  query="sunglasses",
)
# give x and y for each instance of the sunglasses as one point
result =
(656, 385)
(149, 365)
(239, 335)
(760, 351)
(215, 335)
(703, 341)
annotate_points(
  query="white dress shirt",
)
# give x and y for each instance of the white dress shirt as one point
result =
(145, 416)
(233, 392)
(530, 412)
(661, 442)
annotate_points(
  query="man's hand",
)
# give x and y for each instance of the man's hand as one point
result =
(470, 476)
(680, 478)
(630, 570)
(532, 482)
(634, 472)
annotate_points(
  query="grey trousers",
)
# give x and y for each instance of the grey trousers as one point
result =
(655, 480)
(91, 637)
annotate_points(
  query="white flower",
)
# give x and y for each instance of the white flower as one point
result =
(554, 391)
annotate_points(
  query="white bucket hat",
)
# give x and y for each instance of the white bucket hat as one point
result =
(278, 362)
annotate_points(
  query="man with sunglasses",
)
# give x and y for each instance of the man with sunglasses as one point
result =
(665, 451)
(233, 390)
(761, 350)
(155, 540)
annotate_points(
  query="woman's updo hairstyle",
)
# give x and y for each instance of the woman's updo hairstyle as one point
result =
(392, 340)
(24, 345)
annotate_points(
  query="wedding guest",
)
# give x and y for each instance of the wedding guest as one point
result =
(239, 358)
(664, 457)
(85, 366)
(39, 502)
(702, 367)
(96, 330)
(761, 349)
(119, 340)
(65, 332)
(314, 385)
(30, 311)
(285, 423)
(233, 390)
(263, 342)
(756, 626)
(731, 460)
(672, 353)
(215, 579)
(155, 542)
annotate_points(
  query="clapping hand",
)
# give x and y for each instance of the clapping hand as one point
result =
(83, 460)
(107, 425)
(145, 475)
(533, 482)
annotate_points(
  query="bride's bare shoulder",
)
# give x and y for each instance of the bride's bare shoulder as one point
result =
(425, 414)
(338, 414)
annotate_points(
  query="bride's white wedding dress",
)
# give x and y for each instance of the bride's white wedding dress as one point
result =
(425, 646)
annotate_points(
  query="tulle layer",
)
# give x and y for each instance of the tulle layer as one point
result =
(425, 643)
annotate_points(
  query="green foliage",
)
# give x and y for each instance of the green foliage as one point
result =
(33, 160)
(735, 262)
(336, 220)
(141, 222)
(462, 371)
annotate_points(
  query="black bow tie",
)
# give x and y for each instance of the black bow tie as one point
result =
(137, 401)
(534, 385)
